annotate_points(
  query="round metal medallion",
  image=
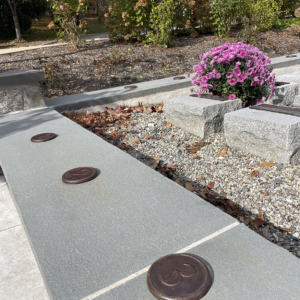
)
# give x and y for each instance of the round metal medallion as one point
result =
(79, 175)
(180, 277)
(178, 77)
(43, 137)
(130, 87)
(292, 55)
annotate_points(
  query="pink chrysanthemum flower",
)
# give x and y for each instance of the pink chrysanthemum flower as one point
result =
(229, 75)
(260, 101)
(232, 81)
(232, 96)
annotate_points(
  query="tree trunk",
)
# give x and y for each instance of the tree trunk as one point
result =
(17, 27)
(13, 8)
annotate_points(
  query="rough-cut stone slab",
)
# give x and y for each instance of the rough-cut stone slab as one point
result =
(291, 77)
(244, 266)
(88, 236)
(20, 77)
(199, 116)
(273, 136)
(297, 101)
(284, 95)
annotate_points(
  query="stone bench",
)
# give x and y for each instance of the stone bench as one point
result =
(284, 94)
(19, 90)
(274, 136)
(199, 116)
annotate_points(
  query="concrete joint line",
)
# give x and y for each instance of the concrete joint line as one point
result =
(142, 271)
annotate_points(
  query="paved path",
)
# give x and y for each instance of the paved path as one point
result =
(20, 278)
(97, 240)
(89, 37)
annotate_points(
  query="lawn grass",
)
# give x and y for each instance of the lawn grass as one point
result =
(40, 33)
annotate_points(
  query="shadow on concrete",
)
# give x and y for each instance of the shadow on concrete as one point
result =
(18, 122)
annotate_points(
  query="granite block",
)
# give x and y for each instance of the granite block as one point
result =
(274, 136)
(199, 116)
(284, 95)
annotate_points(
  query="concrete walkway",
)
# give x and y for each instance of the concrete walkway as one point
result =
(20, 278)
(97, 240)
(89, 37)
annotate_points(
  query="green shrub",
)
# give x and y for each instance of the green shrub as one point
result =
(285, 23)
(155, 21)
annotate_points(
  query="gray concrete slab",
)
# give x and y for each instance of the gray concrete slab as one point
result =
(244, 265)
(20, 277)
(105, 96)
(86, 237)
(20, 77)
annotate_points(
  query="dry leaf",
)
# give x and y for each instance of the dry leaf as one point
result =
(189, 186)
(153, 164)
(147, 110)
(257, 222)
(223, 193)
(178, 181)
(137, 141)
(286, 229)
(261, 215)
(168, 125)
(210, 185)
(200, 178)
(223, 152)
(267, 164)
(254, 173)
(266, 194)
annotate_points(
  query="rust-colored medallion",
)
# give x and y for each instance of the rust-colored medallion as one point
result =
(179, 277)
(79, 175)
(43, 137)
(130, 87)
(178, 77)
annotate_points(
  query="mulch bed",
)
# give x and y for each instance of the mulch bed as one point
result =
(104, 64)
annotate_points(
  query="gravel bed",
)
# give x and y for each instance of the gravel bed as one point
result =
(273, 194)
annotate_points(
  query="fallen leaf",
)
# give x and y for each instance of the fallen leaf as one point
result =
(286, 229)
(223, 193)
(168, 125)
(196, 157)
(178, 181)
(223, 152)
(266, 194)
(210, 185)
(265, 231)
(147, 110)
(257, 222)
(254, 173)
(261, 215)
(137, 141)
(200, 178)
(189, 186)
(153, 164)
(267, 164)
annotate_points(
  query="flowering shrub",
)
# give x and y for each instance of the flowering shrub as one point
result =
(67, 15)
(237, 70)
(154, 21)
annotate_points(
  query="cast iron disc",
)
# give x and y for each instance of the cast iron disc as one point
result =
(43, 137)
(179, 277)
(79, 175)
(292, 55)
(178, 77)
(130, 87)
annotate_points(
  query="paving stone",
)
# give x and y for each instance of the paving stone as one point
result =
(244, 266)
(199, 116)
(274, 136)
(91, 235)
(32, 97)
